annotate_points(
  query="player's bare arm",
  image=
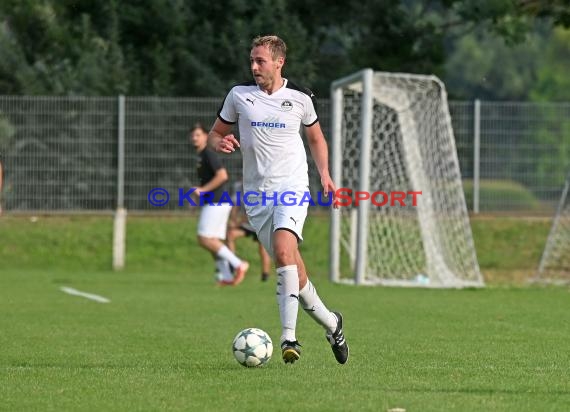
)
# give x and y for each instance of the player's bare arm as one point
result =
(219, 179)
(221, 139)
(320, 153)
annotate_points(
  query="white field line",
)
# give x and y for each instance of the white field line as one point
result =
(91, 296)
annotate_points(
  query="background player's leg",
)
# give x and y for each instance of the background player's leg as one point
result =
(265, 262)
(233, 234)
(212, 231)
(224, 271)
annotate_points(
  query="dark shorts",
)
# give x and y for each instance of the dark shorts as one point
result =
(249, 231)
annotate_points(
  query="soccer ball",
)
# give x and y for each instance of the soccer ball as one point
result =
(252, 347)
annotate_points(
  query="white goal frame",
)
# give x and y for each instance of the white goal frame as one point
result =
(554, 266)
(372, 91)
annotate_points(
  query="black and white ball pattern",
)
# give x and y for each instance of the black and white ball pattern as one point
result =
(252, 347)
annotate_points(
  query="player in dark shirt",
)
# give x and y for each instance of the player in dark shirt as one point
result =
(214, 215)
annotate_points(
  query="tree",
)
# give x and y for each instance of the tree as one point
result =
(200, 47)
(552, 82)
(53, 48)
(413, 36)
(486, 67)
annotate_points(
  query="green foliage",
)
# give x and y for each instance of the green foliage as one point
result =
(509, 244)
(553, 151)
(200, 47)
(533, 70)
(407, 38)
(552, 82)
(54, 48)
(486, 67)
(7, 132)
(168, 244)
(161, 48)
(494, 195)
(221, 37)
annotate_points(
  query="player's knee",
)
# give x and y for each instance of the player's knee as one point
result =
(204, 241)
(284, 256)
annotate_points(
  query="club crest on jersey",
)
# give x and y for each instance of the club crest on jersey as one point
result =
(286, 105)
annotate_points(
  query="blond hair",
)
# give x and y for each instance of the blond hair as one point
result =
(276, 45)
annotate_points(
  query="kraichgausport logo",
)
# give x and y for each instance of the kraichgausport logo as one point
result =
(342, 197)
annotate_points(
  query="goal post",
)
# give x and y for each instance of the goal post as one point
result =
(392, 133)
(358, 238)
(554, 266)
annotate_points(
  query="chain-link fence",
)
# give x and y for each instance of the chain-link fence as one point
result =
(516, 153)
(61, 154)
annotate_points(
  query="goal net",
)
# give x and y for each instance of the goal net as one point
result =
(554, 264)
(392, 135)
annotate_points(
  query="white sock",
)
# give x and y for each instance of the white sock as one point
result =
(315, 307)
(288, 300)
(223, 267)
(227, 254)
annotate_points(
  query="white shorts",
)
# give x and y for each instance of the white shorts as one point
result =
(269, 217)
(213, 221)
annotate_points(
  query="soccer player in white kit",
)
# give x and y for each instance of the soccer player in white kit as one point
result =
(269, 112)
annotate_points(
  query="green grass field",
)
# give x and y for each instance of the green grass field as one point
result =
(163, 342)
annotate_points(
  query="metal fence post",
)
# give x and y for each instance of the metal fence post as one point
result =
(476, 153)
(120, 221)
(121, 154)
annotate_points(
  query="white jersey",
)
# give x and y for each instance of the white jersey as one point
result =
(274, 156)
